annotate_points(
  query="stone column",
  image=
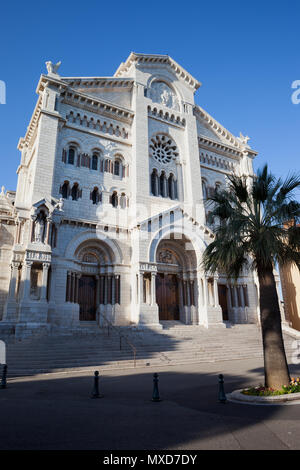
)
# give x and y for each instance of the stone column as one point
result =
(47, 236)
(46, 267)
(153, 288)
(26, 280)
(97, 290)
(101, 290)
(33, 218)
(10, 312)
(117, 289)
(69, 287)
(78, 276)
(216, 293)
(242, 296)
(105, 284)
(141, 287)
(188, 291)
(113, 290)
(235, 297)
(228, 294)
(13, 281)
(205, 291)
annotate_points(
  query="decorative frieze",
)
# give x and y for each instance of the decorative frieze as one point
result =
(217, 162)
(38, 256)
(148, 267)
(169, 117)
(105, 127)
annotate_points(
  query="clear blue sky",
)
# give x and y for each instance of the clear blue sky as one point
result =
(246, 54)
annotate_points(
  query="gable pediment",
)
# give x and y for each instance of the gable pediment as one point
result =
(154, 61)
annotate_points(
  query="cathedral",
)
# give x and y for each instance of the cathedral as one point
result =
(110, 217)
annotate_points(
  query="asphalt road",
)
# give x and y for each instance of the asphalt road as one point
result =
(55, 411)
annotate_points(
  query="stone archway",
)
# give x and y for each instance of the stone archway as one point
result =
(95, 285)
(176, 280)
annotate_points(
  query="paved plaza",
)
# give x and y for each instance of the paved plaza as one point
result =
(55, 411)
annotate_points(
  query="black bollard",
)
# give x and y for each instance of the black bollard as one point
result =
(155, 396)
(222, 396)
(4, 375)
(95, 393)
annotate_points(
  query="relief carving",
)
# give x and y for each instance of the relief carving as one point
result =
(162, 94)
(167, 257)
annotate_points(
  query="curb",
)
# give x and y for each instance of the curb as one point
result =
(288, 399)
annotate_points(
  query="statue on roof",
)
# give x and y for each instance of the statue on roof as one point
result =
(244, 139)
(52, 68)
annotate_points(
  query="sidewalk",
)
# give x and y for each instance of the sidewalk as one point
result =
(55, 411)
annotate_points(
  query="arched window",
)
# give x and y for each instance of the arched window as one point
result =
(114, 199)
(95, 162)
(117, 167)
(171, 186)
(162, 179)
(75, 193)
(65, 190)
(154, 183)
(71, 156)
(95, 196)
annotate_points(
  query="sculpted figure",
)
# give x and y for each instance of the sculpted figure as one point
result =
(52, 68)
(39, 229)
(59, 205)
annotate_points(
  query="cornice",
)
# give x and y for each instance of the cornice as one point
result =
(207, 143)
(150, 59)
(32, 125)
(99, 82)
(233, 142)
(97, 105)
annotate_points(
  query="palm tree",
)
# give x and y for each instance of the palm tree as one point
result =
(252, 233)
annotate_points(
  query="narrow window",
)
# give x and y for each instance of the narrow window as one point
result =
(171, 186)
(75, 192)
(71, 156)
(65, 190)
(95, 196)
(95, 162)
(162, 184)
(117, 168)
(154, 183)
(114, 199)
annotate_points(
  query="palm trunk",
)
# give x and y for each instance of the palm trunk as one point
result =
(276, 367)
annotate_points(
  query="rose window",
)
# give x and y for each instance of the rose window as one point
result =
(162, 148)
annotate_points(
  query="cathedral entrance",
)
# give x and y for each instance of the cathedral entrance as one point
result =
(167, 296)
(176, 279)
(87, 298)
(222, 291)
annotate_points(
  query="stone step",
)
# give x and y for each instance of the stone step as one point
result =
(173, 345)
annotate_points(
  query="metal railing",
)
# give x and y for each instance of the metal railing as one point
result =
(121, 336)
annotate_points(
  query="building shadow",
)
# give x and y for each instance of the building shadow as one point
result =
(52, 413)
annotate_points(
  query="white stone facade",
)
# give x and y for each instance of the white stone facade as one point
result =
(109, 217)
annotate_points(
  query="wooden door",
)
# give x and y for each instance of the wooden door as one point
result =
(222, 290)
(87, 298)
(167, 296)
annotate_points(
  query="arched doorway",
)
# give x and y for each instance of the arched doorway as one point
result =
(97, 283)
(176, 280)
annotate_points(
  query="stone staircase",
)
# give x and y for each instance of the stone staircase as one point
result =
(91, 348)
